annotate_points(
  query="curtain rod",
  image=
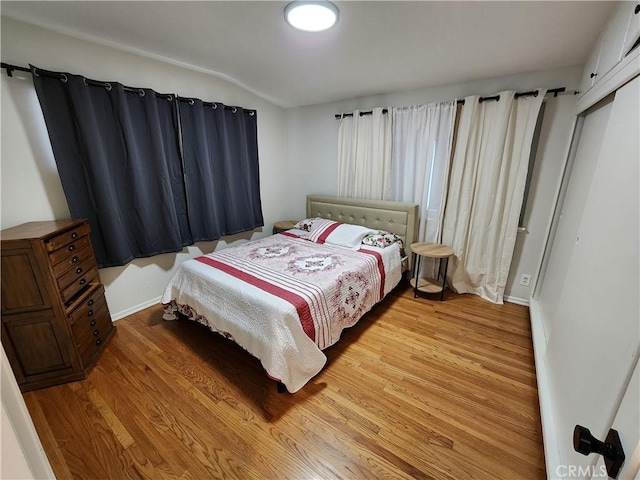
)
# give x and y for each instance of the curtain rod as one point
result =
(215, 105)
(39, 71)
(532, 93)
(46, 73)
(10, 68)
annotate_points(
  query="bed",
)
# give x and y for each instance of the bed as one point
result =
(287, 297)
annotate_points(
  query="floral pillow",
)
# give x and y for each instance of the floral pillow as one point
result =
(382, 239)
(306, 224)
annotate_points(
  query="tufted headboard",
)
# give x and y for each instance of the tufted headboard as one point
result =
(395, 217)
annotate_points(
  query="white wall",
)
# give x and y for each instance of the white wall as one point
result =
(313, 146)
(22, 455)
(13, 461)
(553, 147)
(30, 186)
(298, 147)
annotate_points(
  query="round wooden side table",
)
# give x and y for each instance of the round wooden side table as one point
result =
(283, 225)
(430, 250)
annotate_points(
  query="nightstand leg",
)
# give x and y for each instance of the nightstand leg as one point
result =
(444, 278)
(416, 265)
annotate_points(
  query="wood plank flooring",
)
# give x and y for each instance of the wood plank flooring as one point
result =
(417, 389)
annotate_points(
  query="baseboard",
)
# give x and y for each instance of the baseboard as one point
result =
(135, 309)
(518, 301)
(549, 435)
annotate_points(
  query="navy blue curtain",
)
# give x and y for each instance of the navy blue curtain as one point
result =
(151, 173)
(118, 156)
(220, 145)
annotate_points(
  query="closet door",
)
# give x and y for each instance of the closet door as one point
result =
(627, 424)
(582, 172)
(589, 292)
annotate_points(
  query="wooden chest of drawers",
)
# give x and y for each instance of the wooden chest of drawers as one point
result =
(55, 320)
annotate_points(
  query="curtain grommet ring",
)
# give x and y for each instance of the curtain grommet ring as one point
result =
(35, 72)
(169, 98)
(64, 78)
(141, 92)
(108, 87)
(234, 109)
(214, 106)
(84, 80)
(191, 102)
(252, 113)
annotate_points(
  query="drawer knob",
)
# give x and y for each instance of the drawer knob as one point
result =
(82, 281)
(71, 247)
(89, 313)
(98, 341)
(90, 302)
(79, 270)
(74, 260)
(96, 332)
(74, 235)
(93, 322)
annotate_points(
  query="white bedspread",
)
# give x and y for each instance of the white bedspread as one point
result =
(283, 298)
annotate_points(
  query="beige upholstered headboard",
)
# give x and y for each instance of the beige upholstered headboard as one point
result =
(395, 217)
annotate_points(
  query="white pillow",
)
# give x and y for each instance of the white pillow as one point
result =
(338, 234)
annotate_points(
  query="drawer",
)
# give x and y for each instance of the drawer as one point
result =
(67, 237)
(78, 284)
(93, 303)
(68, 250)
(72, 259)
(91, 335)
(84, 329)
(76, 272)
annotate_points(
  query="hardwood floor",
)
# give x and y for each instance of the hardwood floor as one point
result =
(417, 389)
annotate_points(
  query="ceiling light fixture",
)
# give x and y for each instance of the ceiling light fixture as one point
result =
(311, 16)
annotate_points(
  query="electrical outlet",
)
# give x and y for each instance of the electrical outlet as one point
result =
(525, 280)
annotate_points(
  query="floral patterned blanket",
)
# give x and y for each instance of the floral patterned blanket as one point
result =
(283, 298)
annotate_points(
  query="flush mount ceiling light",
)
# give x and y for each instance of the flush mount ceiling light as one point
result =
(311, 16)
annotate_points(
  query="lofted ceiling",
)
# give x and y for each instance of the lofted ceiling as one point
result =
(376, 47)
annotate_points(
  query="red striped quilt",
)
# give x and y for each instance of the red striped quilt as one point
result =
(270, 293)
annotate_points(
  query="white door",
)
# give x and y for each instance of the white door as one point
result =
(627, 424)
(589, 291)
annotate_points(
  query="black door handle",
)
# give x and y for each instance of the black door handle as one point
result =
(610, 449)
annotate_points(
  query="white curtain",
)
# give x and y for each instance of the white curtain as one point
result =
(487, 182)
(364, 155)
(420, 157)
